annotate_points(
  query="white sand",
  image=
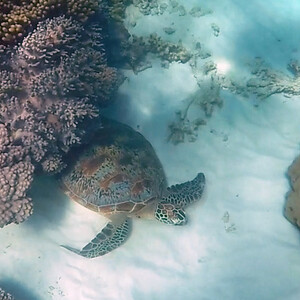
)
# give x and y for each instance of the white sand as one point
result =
(253, 255)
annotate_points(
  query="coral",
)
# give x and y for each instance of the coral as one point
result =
(207, 98)
(167, 50)
(292, 205)
(183, 128)
(116, 9)
(266, 81)
(5, 296)
(150, 7)
(54, 85)
(82, 9)
(133, 50)
(18, 17)
(16, 173)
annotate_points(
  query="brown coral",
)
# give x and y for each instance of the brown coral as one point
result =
(82, 9)
(17, 17)
(16, 173)
(292, 205)
(116, 9)
(51, 88)
(167, 50)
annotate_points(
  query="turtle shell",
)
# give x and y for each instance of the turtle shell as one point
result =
(118, 172)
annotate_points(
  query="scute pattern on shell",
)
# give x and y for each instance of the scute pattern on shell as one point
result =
(119, 168)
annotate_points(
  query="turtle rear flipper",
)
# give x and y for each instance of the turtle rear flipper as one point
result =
(185, 193)
(110, 238)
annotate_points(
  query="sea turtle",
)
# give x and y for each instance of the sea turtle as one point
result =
(119, 176)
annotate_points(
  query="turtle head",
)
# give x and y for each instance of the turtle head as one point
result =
(170, 214)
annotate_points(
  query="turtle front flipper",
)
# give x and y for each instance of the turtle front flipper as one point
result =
(185, 193)
(110, 238)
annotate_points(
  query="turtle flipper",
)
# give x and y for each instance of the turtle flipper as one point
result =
(110, 238)
(185, 193)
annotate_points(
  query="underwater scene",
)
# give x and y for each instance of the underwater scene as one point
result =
(149, 149)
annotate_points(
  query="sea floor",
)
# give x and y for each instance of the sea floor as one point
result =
(237, 243)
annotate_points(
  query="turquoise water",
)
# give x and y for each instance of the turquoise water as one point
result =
(230, 112)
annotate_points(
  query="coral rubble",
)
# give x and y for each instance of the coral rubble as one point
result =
(53, 86)
(5, 296)
(266, 81)
(262, 83)
(207, 97)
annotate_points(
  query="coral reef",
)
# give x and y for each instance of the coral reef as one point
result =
(53, 86)
(18, 17)
(131, 51)
(81, 9)
(292, 205)
(16, 172)
(5, 296)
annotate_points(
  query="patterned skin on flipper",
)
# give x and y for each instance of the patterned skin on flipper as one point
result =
(110, 238)
(185, 193)
(120, 167)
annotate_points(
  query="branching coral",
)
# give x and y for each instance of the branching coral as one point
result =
(54, 85)
(17, 17)
(5, 296)
(16, 172)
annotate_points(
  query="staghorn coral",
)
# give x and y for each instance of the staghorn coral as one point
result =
(18, 17)
(5, 296)
(53, 86)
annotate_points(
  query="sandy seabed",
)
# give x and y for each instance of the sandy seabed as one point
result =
(237, 244)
